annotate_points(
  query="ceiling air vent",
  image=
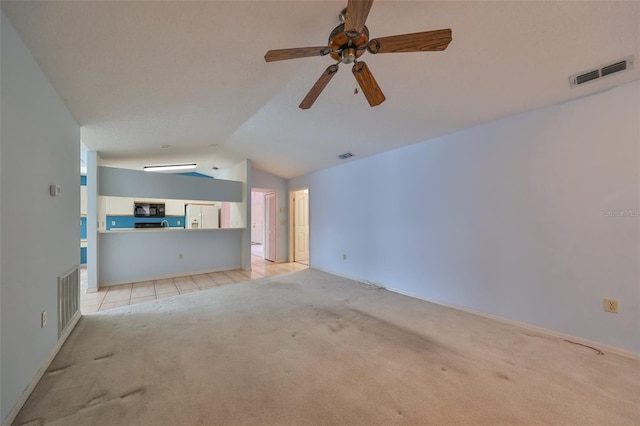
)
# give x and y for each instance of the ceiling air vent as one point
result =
(603, 71)
(345, 155)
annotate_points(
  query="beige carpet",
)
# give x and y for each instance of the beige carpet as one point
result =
(309, 348)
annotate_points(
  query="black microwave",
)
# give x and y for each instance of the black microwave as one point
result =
(148, 209)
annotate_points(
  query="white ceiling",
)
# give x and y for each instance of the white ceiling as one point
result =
(139, 75)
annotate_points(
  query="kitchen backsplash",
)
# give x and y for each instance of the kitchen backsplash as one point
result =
(120, 222)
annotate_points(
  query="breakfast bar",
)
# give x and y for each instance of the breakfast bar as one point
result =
(134, 255)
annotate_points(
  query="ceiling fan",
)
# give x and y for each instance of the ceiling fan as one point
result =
(349, 40)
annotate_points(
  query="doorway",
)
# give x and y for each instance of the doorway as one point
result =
(299, 225)
(264, 224)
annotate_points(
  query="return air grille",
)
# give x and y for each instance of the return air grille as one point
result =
(68, 298)
(603, 71)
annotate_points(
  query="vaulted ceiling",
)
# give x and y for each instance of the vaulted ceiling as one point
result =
(191, 75)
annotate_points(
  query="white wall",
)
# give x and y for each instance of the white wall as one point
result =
(93, 160)
(240, 212)
(511, 218)
(264, 180)
(40, 234)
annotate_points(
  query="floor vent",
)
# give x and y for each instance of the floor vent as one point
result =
(68, 298)
(603, 71)
(345, 155)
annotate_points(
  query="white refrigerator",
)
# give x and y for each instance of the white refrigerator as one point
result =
(202, 216)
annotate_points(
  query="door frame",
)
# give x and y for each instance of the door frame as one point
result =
(266, 191)
(273, 213)
(254, 215)
(292, 219)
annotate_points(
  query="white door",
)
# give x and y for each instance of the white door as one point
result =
(301, 226)
(270, 224)
(257, 217)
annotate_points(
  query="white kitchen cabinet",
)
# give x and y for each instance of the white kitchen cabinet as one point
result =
(102, 212)
(83, 200)
(120, 206)
(174, 208)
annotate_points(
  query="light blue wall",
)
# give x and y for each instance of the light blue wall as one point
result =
(133, 183)
(131, 256)
(512, 218)
(38, 133)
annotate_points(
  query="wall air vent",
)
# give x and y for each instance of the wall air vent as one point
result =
(345, 155)
(603, 71)
(617, 67)
(592, 75)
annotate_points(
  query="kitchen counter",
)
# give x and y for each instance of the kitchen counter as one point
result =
(172, 229)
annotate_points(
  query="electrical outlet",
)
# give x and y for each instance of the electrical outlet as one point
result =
(113, 223)
(344, 257)
(178, 222)
(611, 305)
(43, 319)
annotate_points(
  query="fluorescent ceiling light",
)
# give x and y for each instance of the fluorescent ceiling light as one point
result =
(168, 167)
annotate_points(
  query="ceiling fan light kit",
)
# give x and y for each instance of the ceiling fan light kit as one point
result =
(349, 40)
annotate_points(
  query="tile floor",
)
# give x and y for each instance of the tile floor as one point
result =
(138, 292)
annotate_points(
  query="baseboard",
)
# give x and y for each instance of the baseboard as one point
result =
(347, 277)
(165, 277)
(36, 379)
(527, 326)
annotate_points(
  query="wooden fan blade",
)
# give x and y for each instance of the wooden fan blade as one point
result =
(357, 12)
(317, 88)
(368, 84)
(416, 42)
(295, 53)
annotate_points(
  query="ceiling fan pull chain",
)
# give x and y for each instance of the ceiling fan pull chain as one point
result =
(357, 89)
